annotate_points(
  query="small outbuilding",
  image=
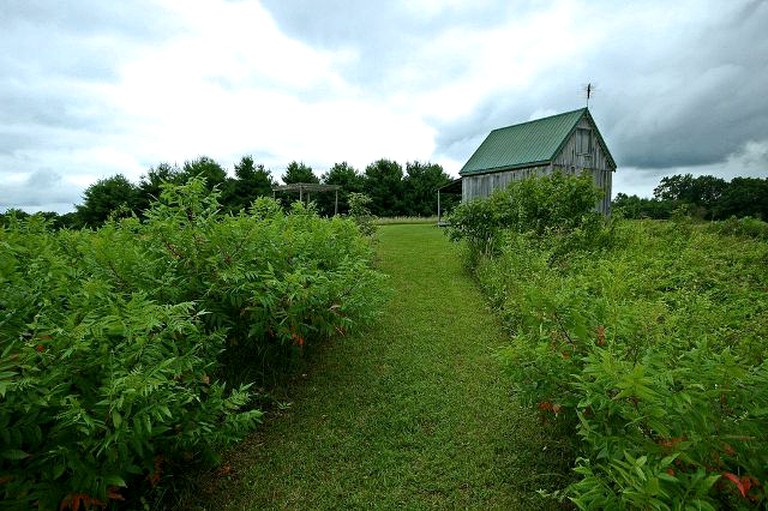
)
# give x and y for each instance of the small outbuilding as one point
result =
(569, 142)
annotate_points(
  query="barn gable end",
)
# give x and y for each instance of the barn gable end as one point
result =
(569, 142)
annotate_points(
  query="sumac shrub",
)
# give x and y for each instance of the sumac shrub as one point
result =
(652, 352)
(649, 349)
(130, 349)
(559, 205)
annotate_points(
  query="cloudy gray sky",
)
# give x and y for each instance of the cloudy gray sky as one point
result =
(89, 89)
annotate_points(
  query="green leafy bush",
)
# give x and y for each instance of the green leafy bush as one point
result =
(747, 227)
(359, 212)
(646, 344)
(132, 348)
(653, 353)
(558, 204)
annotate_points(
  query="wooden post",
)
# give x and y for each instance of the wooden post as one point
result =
(301, 193)
(336, 204)
(438, 207)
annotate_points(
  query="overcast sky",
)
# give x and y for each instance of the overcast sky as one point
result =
(89, 89)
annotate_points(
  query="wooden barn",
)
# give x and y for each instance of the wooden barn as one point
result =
(569, 142)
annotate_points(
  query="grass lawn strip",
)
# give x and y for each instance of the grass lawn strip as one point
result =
(414, 414)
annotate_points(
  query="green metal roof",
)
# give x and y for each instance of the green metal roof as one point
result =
(527, 144)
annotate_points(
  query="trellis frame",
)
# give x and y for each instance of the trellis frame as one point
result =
(309, 187)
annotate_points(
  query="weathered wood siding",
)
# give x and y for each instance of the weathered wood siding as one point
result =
(577, 154)
(480, 186)
(572, 155)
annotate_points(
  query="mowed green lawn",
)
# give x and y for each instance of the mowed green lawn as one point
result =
(416, 413)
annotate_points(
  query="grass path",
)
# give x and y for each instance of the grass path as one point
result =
(414, 414)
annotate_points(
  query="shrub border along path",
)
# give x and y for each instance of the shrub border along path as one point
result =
(416, 413)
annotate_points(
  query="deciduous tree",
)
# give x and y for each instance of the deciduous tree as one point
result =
(251, 181)
(420, 188)
(350, 181)
(110, 196)
(384, 185)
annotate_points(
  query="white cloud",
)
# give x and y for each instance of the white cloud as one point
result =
(99, 90)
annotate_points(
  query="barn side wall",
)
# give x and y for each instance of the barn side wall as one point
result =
(481, 186)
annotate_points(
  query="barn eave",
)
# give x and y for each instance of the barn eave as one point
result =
(506, 168)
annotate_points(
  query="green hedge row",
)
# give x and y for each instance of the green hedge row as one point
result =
(133, 347)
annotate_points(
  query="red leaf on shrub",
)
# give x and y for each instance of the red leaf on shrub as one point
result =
(114, 493)
(601, 335)
(735, 480)
(297, 339)
(154, 477)
(671, 442)
(74, 500)
(40, 348)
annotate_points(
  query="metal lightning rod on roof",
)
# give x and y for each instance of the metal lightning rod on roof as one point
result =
(589, 89)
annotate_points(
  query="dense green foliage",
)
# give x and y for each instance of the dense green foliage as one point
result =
(706, 197)
(350, 181)
(133, 348)
(559, 205)
(392, 192)
(650, 346)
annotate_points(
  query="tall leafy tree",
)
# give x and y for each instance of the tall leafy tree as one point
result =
(420, 188)
(214, 174)
(299, 173)
(348, 178)
(251, 181)
(745, 196)
(384, 185)
(150, 185)
(111, 196)
(702, 192)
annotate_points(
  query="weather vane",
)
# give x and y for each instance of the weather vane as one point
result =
(589, 89)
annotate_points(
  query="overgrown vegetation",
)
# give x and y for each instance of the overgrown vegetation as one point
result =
(645, 340)
(135, 348)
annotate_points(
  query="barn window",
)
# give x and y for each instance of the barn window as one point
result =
(583, 141)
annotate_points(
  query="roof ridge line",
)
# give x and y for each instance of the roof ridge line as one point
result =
(541, 119)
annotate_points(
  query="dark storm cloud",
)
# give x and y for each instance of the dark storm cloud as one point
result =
(692, 99)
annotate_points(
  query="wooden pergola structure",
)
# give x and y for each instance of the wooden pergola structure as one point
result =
(307, 188)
